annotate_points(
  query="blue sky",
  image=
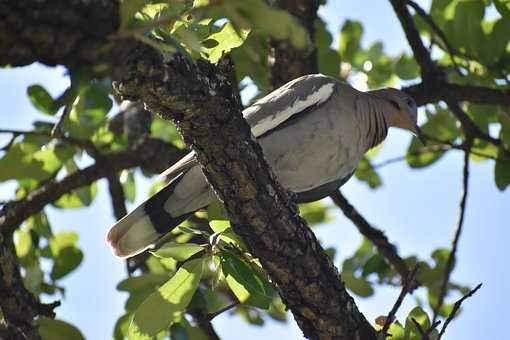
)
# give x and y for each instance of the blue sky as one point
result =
(416, 208)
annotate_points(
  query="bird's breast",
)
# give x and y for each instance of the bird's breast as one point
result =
(316, 149)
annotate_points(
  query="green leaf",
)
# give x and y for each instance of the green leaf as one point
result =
(158, 310)
(78, 198)
(31, 159)
(178, 251)
(465, 31)
(421, 317)
(365, 172)
(357, 285)
(504, 134)
(41, 99)
(419, 156)
(406, 68)
(503, 7)
(51, 329)
(216, 211)
(89, 111)
(226, 39)
(258, 16)
(128, 185)
(314, 212)
(350, 40)
(120, 331)
(128, 9)
(502, 170)
(134, 283)
(67, 257)
(328, 58)
(23, 242)
(247, 284)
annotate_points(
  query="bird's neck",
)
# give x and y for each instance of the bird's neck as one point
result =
(375, 123)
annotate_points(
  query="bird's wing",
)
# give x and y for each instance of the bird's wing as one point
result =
(272, 111)
(289, 101)
(186, 162)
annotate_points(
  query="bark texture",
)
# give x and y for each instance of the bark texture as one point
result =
(200, 99)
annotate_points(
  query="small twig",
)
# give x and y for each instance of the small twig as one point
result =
(407, 287)
(451, 258)
(57, 132)
(456, 307)
(117, 196)
(428, 19)
(424, 335)
(222, 310)
(376, 236)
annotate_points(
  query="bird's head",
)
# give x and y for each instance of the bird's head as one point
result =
(401, 112)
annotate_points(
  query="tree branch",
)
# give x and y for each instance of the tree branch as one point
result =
(200, 99)
(421, 54)
(407, 287)
(376, 236)
(451, 258)
(17, 305)
(149, 152)
(455, 309)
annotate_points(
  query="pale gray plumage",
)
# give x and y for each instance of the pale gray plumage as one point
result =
(313, 131)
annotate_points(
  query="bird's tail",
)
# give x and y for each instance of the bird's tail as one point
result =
(141, 228)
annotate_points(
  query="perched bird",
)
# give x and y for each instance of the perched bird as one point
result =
(313, 132)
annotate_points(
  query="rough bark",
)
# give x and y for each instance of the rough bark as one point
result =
(200, 99)
(17, 305)
(288, 62)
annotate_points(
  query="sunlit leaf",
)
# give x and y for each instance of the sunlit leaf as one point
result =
(178, 251)
(157, 311)
(247, 284)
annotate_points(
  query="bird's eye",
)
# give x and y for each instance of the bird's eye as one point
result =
(411, 103)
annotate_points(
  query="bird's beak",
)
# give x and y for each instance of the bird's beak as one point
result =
(417, 132)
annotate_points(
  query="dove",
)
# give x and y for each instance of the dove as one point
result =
(313, 132)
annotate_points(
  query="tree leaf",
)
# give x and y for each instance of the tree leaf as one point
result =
(357, 285)
(52, 329)
(406, 68)
(177, 251)
(247, 284)
(41, 99)
(365, 172)
(350, 40)
(65, 253)
(502, 171)
(157, 311)
(226, 39)
(134, 283)
(78, 198)
(128, 185)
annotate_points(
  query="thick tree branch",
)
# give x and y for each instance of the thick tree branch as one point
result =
(428, 93)
(375, 236)
(18, 306)
(421, 54)
(200, 99)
